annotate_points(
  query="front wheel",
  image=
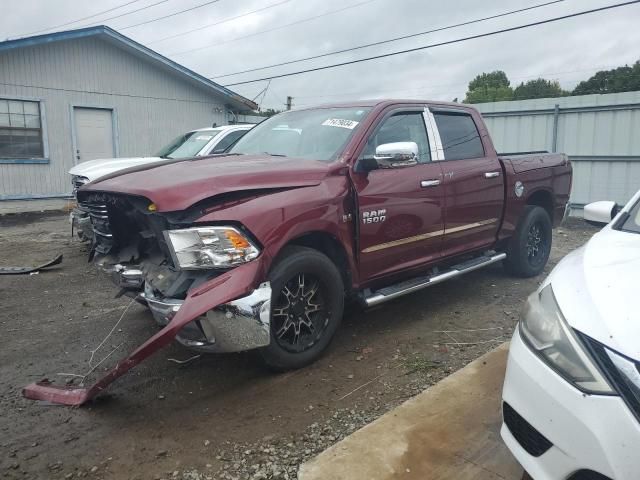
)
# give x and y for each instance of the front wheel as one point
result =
(529, 248)
(306, 308)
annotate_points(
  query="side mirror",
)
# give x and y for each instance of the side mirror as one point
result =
(396, 155)
(600, 213)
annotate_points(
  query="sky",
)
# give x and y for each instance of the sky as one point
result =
(228, 38)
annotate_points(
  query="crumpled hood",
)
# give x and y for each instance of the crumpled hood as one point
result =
(596, 288)
(94, 169)
(177, 185)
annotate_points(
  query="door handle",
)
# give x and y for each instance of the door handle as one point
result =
(429, 183)
(491, 174)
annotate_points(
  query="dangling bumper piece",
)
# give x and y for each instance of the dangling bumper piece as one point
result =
(224, 314)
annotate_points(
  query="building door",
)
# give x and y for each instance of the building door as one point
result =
(94, 133)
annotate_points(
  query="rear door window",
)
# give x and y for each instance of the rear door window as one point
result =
(459, 136)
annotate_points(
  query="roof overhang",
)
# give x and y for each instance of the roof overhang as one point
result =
(232, 99)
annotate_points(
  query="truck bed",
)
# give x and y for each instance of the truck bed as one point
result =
(523, 162)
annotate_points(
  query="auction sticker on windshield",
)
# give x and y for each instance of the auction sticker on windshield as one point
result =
(204, 137)
(339, 122)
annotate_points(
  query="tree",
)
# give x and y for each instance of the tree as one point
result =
(489, 87)
(269, 112)
(539, 88)
(621, 79)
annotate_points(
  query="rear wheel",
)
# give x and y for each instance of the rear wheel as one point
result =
(529, 248)
(306, 307)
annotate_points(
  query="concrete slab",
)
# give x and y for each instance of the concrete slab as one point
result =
(450, 431)
(40, 205)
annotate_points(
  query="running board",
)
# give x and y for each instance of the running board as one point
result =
(394, 291)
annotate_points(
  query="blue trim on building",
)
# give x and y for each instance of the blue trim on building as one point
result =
(36, 197)
(103, 30)
(23, 161)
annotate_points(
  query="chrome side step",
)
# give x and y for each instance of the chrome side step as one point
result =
(389, 293)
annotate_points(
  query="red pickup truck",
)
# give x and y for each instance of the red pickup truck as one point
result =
(260, 247)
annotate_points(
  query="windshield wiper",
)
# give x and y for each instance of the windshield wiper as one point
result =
(274, 154)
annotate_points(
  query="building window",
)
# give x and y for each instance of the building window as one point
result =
(20, 129)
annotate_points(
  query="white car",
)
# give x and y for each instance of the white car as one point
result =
(196, 143)
(571, 397)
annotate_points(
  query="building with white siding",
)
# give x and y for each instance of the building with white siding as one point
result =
(93, 93)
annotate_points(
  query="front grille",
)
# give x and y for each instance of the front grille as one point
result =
(629, 392)
(99, 215)
(588, 475)
(534, 443)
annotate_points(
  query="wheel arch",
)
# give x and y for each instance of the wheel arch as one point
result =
(331, 247)
(542, 198)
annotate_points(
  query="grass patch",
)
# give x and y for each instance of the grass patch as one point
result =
(418, 364)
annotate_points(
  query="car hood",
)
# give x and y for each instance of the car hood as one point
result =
(94, 169)
(177, 185)
(596, 288)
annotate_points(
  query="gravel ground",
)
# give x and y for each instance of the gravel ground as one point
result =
(220, 416)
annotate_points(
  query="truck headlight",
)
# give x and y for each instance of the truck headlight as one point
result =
(210, 247)
(549, 335)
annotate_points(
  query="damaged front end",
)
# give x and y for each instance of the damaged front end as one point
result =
(203, 284)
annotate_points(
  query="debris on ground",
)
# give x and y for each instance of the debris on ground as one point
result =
(31, 270)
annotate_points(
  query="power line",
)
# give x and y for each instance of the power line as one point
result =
(308, 19)
(170, 15)
(219, 22)
(404, 37)
(126, 13)
(430, 89)
(78, 19)
(433, 45)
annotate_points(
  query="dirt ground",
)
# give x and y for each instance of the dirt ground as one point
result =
(220, 416)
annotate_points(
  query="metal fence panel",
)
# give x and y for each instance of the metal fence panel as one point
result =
(598, 132)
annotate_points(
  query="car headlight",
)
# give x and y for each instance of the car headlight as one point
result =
(210, 247)
(549, 335)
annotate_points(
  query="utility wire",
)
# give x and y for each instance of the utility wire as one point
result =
(446, 85)
(308, 19)
(125, 14)
(382, 42)
(219, 22)
(433, 45)
(170, 15)
(78, 19)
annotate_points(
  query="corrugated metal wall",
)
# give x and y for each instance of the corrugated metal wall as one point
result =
(152, 105)
(598, 132)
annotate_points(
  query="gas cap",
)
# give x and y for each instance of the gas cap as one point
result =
(519, 188)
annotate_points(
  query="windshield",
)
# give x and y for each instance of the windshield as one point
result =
(632, 223)
(187, 145)
(317, 134)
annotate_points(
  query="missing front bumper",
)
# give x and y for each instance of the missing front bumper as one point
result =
(242, 324)
(231, 292)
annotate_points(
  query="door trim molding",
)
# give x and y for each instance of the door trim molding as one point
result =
(403, 241)
(114, 128)
(424, 236)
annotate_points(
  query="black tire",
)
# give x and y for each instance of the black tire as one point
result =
(528, 250)
(303, 322)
